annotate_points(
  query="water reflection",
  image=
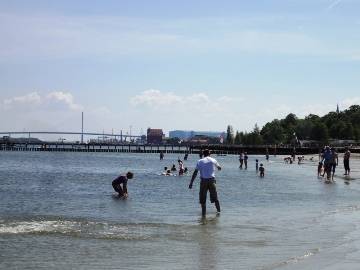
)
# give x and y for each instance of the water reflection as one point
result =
(208, 249)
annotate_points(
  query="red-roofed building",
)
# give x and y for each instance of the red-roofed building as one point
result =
(155, 135)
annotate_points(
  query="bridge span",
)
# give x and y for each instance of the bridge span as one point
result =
(120, 136)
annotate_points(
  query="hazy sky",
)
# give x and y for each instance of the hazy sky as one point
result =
(196, 65)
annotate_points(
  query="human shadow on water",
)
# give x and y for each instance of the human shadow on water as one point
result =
(207, 244)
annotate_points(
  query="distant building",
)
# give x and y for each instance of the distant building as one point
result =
(188, 134)
(202, 139)
(155, 136)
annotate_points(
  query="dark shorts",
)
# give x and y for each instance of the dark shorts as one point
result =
(205, 186)
(327, 167)
(117, 187)
(347, 164)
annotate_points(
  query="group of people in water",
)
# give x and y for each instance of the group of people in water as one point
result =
(172, 171)
(206, 166)
(329, 160)
(243, 159)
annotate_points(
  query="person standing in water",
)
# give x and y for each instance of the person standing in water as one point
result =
(347, 161)
(245, 160)
(326, 160)
(334, 162)
(257, 165)
(241, 159)
(122, 180)
(262, 170)
(161, 155)
(206, 166)
(181, 167)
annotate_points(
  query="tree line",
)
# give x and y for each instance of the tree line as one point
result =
(339, 125)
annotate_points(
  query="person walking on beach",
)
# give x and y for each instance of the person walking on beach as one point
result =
(326, 159)
(122, 180)
(206, 166)
(334, 162)
(241, 159)
(347, 161)
(161, 155)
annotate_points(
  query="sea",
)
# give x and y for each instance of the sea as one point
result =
(58, 211)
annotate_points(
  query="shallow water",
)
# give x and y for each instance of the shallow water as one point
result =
(58, 211)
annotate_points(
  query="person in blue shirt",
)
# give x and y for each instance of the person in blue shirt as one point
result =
(327, 158)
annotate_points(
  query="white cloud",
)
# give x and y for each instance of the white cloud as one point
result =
(176, 110)
(52, 111)
(154, 97)
(57, 100)
(157, 99)
(60, 97)
(346, 103)
(29, 99)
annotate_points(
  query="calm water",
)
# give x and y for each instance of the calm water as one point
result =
(58, 211)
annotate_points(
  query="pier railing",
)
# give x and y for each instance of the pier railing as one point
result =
(97, 147)
(180, 149)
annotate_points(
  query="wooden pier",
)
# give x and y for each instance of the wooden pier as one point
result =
(175, 149)
(99, 147)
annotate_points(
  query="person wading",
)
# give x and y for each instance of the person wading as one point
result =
(206, 166)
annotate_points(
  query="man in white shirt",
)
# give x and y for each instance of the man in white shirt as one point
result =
(206, 166)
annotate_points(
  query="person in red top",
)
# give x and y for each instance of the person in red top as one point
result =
(122, 180)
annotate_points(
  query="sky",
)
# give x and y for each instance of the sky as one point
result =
(190, 65)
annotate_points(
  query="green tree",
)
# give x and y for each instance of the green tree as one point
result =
(256, 136)
(357, 134)
(349, 132)
(303, 129)
(320, 132)
(273, 132)
(238, 138)
(337, 129)
(312, 117)
(230, 135)
(290, 120)
(330, 119)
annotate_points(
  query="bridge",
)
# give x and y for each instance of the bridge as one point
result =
(120, 136)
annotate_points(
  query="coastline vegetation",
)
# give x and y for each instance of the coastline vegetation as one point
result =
(338, 125)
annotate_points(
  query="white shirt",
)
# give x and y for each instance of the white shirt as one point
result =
(206, 167)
